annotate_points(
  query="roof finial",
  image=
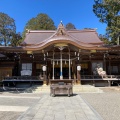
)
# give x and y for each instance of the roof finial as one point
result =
(61, 25)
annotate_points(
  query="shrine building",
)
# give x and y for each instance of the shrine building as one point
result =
(61, 54)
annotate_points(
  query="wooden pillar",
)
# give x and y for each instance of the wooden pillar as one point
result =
(44, 68)
(44, 76)
(104, 62)
(48, 71)
(90, 65)
(74, 72)
(109, 66)
(53, 66)
(61, 66)
(69, 67)
(78, 74)
(19, 66)
(78, 77)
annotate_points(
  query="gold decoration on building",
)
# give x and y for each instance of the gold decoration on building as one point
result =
(93, 51)
(61, 45)
(29, 52)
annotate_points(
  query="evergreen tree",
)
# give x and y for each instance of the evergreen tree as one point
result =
(41, 22)
(16, 39)
(7, 29)
(104, 38)
(70, 26)
(108, 11)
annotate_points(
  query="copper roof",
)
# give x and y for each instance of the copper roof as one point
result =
(39, 38)
(86, 36)
(35, 37)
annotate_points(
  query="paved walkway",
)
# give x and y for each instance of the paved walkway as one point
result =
(60, 108)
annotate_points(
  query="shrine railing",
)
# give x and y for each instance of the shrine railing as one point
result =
(22, 78)
(97, 77)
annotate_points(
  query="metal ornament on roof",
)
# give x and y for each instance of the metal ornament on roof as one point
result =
(61, 46)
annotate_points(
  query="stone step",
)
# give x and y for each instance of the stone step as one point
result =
(76, 88)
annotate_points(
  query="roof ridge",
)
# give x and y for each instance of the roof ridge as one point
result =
(83, 30)
(37, 31)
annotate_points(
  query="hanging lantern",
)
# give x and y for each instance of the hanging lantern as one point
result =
(44, 68)
(75, 53)
(78, 67)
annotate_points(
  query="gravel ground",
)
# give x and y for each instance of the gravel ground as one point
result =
(9, 115)
(8, 102)
(20, 94)
(107, 104)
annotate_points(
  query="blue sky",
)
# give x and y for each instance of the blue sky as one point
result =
(78, 12)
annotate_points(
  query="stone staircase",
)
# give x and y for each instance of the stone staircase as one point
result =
(86, 89)
(76, 89)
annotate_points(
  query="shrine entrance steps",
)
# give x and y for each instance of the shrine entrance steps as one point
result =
(76, 89)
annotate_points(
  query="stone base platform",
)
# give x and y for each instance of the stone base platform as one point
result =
(76, 89)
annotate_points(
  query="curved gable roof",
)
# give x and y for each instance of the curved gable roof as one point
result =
(35, 37)
(84, 38)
